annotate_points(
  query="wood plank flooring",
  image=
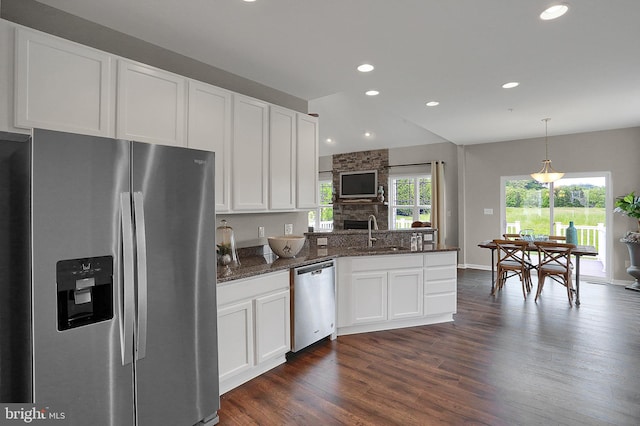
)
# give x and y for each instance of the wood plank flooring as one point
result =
(504, 361)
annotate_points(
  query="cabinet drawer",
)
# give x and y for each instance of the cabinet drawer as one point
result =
(440, 273)
(440, 304)
(440, 286)
(440, 258)
(232, 291)
(378, 263)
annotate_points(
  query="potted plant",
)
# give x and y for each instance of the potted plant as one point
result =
(629, 205)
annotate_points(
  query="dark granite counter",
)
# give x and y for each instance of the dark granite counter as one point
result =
(261, 264)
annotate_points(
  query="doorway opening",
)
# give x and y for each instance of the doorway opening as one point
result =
(546, 210)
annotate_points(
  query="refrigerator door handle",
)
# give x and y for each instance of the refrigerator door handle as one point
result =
(128, 295)
(141, 267)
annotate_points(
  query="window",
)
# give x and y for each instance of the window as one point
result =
(322, 217)
(410, 200)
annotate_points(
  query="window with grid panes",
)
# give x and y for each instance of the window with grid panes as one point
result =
(409, 200)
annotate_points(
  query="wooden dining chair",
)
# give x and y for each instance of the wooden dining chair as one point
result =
(512, 261)
(512, 236)
(555, 263)
(558, 238)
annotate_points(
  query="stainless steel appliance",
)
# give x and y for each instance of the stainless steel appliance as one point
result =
(314, 303)
(110, 257)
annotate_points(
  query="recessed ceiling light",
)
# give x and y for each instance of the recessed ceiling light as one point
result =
(433, 103)
(510, 85)
(365, 68)
(329, 140)
(249, 1)
(554, 12)
(371, 93)
(368, 134)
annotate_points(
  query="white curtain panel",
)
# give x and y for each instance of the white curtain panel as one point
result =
(438, 207)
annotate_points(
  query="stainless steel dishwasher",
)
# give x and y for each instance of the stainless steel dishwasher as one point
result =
(314, 303)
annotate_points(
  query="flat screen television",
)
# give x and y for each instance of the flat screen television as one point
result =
(361, 184)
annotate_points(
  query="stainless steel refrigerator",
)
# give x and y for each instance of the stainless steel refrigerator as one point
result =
(108, 280)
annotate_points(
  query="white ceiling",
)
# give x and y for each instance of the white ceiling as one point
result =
(582, 70)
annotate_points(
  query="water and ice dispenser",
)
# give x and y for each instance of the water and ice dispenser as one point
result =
(85, 291)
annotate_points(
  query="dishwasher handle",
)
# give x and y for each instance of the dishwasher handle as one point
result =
(314, 269)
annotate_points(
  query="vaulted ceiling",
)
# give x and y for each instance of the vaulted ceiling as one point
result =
(582, 70)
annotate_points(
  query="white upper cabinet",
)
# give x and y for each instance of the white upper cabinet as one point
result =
(209, 129)
(151, 105)
(307, 160)
(61, 85)
(266, 155)
(250, 154)
(282, 159)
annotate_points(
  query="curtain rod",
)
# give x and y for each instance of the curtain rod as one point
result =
(428, 163)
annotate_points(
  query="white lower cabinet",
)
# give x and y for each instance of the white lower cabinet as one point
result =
(405, 291)
(254, 331)
(387, 292)
(273, 330)
(368, 297)
(235, 339)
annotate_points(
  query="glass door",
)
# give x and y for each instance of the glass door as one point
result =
(539, 209)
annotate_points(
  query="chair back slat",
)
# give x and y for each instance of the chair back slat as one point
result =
(554, 254)
(512, 236)
(513, 250)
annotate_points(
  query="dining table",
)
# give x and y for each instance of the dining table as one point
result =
(578, 252)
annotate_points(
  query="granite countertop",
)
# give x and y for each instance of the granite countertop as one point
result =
(256, 265)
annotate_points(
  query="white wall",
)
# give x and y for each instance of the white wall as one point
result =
(614, 151)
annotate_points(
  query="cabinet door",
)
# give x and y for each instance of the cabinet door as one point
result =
(235, 339)
(307, 162)
(250, 150)
(368, 297)
(406, 289)
(273, 327)
(62, 85)
(209, 128)
(282, 157)
(151, 105)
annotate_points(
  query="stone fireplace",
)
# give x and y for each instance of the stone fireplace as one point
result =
(360, 211)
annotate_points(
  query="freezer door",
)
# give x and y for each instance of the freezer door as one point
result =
(177, 367)
(78, 368)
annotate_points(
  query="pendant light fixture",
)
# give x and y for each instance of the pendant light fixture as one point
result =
(547, 174)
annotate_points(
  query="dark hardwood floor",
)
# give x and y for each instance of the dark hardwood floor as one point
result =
(504, 361)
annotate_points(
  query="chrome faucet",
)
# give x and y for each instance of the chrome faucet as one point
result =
(375, 226)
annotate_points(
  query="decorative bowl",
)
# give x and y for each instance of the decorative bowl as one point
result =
(286, 245)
